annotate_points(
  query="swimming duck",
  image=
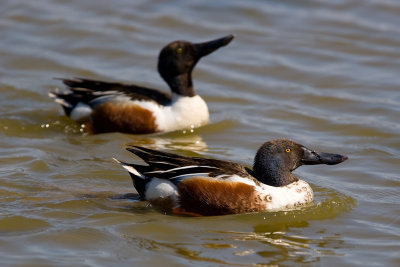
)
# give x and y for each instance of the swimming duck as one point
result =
(203, 186)
(114, 107)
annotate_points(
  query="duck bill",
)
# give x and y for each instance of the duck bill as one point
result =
(313, 158)
(203, 49)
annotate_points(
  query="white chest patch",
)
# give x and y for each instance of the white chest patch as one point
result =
(184, 113)
(287, 197)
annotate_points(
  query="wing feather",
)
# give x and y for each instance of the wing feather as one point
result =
(86, 90)
(171, 166)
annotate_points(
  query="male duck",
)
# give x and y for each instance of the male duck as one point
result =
(114, 107)
(202, 186)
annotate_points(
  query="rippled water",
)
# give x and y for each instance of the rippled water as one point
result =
(324, 73)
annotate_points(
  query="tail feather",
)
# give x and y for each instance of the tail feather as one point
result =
(58, 99)
(131, 168)
(67, 101)
(81, 90)
(71, 99)
(139, 180)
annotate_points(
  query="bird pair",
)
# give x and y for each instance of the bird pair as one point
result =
(189, 185)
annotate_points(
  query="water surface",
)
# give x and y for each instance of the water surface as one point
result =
(324, 73)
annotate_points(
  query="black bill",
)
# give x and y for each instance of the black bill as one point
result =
(312, 158)
(206, 48)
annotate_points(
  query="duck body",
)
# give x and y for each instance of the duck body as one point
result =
(115, 107)
(201, 186)
(121, 113)
(228, 195)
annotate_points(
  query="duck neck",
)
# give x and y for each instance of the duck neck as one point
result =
(271, 170)
(182, 84)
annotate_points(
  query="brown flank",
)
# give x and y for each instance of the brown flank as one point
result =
(214, 197)
(126, 118)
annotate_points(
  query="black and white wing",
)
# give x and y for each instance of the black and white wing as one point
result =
(87, 91)
(175, 167)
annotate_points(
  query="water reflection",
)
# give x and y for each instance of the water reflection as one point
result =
(175, 142)
(281, 246)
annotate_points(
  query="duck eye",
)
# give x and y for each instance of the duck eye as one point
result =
(179, 50)
(288, 150)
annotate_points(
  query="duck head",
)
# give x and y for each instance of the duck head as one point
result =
(276, 159)
(177, 60)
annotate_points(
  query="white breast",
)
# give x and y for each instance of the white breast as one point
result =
(286, 197)
(184, 113)
(280, 198)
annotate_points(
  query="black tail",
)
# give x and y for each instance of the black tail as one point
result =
(67, 100)
(81, 91)
(139, 180)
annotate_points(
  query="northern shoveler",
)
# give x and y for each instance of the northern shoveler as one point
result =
(202, 186)
(114, 107)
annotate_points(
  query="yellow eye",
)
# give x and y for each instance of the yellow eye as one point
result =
(179, 50)
(288, 150)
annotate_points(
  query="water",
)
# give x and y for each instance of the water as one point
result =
(324, 73)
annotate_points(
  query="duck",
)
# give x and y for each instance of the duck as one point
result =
(103, 107)
(198, 186)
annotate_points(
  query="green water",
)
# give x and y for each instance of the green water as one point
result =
(322, 73)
